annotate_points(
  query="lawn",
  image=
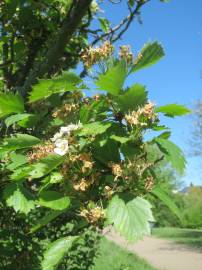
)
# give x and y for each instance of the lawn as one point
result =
(112, 257)
(189, 237)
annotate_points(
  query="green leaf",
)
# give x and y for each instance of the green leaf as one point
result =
(172, 110)
(134, 97)
(160, 128)
(45, 220)
(165, 135)
(10, 103)
(54, 200)
(151, 53)
(108, 152)
(172, 153)
(94, 129)
(131, 2)
(47, 87)
(168, 201)
(16, 118)
(17, 161)
(18, 198)
(56, 251)
(130, 219)
(112, 81)
(92, 111)
(104, 23)
(19, 141)
(39, 169)
(45, 166)
(120, 139)
(130, 150)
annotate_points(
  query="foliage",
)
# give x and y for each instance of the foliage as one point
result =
(130, 219)
(41, 39)
(192, 207)
(17, 245)
(86, 159)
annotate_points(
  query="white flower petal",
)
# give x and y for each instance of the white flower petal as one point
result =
(59, 151)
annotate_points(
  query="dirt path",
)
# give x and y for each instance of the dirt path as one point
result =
(162, 254)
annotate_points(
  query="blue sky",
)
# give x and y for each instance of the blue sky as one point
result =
(176, 78)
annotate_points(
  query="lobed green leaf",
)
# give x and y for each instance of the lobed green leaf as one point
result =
(113, 80)
(68, 81)
(172, 153)
(18, 197)
(132, 98)
(149, 55)
(130, 219)
(10, 103)
(172, 110)
(19, 141)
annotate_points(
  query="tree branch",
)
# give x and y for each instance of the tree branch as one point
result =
(125, 22)
(69, 26)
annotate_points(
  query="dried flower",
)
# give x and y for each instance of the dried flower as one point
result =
(149, 183)
(93, 215)
(148, 110)
(125, 53)
(40, 151)
(82, 185)
(116, 169)
(108, 190)
(91, 55)
(65, 111)
(87, 162)
(138, 58)
(132, 118)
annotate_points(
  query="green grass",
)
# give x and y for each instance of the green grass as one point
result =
(113, 257)
(189, 237)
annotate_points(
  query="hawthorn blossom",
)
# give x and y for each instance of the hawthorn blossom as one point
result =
(60, 138)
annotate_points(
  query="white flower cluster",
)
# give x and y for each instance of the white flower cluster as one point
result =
(60, 138)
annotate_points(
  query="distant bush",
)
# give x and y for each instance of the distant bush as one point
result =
(193, 208)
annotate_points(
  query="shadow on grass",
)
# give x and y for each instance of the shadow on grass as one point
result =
(189, 237)
(113, 257)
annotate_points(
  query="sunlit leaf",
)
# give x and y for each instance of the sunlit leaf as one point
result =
(56, 251)
(130, 219)
(45, 166)
(149, 55)
(46, 87)
(112, 81)
(16, 118)
(53, 200)
(17, 197)
(172, 153)
(132, 98)
(104, 23)
(10, 103)
(94, 128)
(19, 141)
(172, 110)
